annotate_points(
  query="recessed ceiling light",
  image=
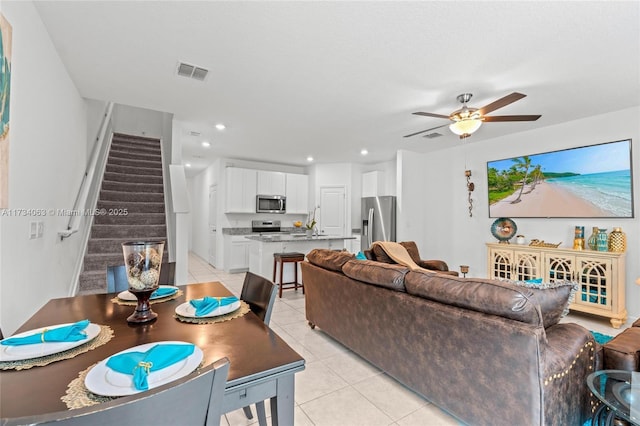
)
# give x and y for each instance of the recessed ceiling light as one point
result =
(364, 152)
(309, 158)
(206, 144)
(220, 126)
(187, 165)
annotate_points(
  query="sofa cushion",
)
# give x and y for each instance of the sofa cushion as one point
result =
(377, 273)
(329, 259)
(412, 249)
(554, 298)
(481, 295)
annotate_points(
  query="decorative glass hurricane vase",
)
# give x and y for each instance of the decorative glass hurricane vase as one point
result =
(142, 261)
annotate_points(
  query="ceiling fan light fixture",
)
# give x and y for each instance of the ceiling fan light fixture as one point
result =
(465, 127)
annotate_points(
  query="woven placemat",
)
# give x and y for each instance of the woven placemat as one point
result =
(122, 302)
(78, 396)
(242, 310)
(106, 334)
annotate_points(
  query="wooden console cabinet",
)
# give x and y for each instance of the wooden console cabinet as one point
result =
(600, 275)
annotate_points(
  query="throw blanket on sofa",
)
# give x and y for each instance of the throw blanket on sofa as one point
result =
(399, 254)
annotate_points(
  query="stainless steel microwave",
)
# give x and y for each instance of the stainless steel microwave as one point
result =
(271, 204)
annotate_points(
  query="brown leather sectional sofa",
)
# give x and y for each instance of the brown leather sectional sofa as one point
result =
(486, 351)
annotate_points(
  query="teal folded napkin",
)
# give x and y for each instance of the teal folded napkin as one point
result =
(207, 304)
(140, 364)
(69, 333)
(162, 292)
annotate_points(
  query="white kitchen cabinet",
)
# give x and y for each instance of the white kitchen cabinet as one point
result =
(238, 249)
(373, 184)
(297, 193)
(600, 275)
(271, 183)
(241, 190)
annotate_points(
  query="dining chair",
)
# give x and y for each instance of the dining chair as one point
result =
(192, 400)
(117, 276)
(260, 294)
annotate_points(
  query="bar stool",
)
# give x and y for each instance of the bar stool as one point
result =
(281, 259)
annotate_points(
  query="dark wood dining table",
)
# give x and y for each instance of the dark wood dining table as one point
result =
(262, 365)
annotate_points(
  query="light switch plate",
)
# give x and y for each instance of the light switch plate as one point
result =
(33, 230)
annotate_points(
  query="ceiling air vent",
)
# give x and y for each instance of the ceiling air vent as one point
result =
(194, 133)
(432, 135)
(192, 71)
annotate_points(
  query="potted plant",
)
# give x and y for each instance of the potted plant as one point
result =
(311, 223)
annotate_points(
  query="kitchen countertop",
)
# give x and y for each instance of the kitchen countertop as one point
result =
(294, 237)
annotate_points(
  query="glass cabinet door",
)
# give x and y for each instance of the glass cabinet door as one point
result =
(501, 263)
(527, 266)
(594, 279)
(559, 268)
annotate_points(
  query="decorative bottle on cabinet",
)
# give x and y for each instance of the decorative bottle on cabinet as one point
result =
(592, 242)
(617, 240)
(602, 240)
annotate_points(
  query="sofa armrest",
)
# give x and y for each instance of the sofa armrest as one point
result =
(434, 265)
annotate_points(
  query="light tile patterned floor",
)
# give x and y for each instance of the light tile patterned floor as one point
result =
(338, 388)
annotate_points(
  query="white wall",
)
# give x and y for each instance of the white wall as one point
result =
(47, 157)
(455, 237)
(138, 121)
(95, 114)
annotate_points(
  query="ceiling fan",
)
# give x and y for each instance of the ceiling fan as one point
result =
(467, 120)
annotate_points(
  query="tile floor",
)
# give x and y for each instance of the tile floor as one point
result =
(338, 388)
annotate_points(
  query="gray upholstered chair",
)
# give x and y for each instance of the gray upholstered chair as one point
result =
(260, 294)
(117, 276)
(192, 400)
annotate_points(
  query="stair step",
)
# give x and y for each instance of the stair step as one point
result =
(112, 245)
(132, 187)
(131, 232)
(129, 148)
(131, 196)
(123, 177)
(131, 219)
(93, 280)
(134, 170)
(115, 161)
(100, 261)
(136, 139)
(134, 154)
(131, 207)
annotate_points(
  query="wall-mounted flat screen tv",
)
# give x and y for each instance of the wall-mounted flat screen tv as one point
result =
(586, 182)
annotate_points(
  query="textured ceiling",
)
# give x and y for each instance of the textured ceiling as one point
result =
(292, 79)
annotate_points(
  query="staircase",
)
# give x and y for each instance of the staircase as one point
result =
(131, 203)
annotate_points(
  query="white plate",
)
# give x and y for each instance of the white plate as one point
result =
(36, 350)
(102, 380)
(186, 310)
(127, 295)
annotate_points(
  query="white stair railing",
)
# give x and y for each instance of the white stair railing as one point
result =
(84, 206)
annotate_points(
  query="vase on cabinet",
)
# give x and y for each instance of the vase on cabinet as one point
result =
(617, 241)
(602, 240)
(592, 242)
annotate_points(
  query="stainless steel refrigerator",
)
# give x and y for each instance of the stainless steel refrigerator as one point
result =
(378, 220)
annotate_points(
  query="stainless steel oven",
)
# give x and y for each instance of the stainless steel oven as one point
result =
(271, 204)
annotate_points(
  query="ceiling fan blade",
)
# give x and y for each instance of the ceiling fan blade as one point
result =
(429, 114)
(502, 102)
(497, 118)
(424, 131)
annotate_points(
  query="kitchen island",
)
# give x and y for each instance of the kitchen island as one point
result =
(262, 248)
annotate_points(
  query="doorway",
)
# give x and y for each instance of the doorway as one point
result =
(213, 213)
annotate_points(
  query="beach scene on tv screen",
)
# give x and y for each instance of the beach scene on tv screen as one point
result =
(590, 181)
